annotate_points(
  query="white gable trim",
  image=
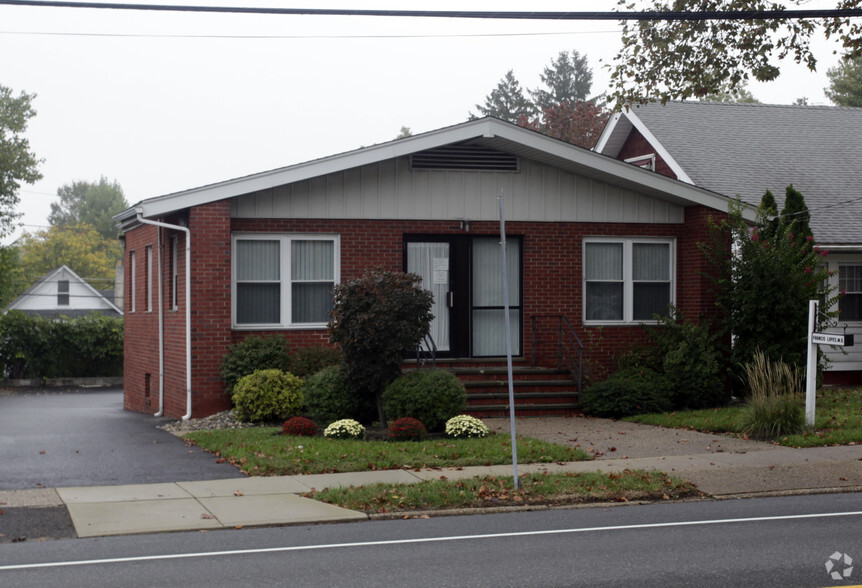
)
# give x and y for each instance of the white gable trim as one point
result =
(618, 130)
(525, 141)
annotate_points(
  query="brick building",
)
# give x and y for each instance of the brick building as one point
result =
(592, 242)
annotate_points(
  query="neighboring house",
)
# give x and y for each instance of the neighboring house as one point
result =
(746, 149)
(62, 292)
(596, 241)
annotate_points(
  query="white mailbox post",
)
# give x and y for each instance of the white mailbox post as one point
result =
(834, 339)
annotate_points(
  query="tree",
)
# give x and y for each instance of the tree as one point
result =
(763, 286)
(580, 123)
(378, 320)
(568, 79)
(12, 282)
(678, 59)
(17, 163)
(845, 83)
(404, 132)
(91, 203)
(740, 94)
(506, 101)
(795, 216)
(80, 247)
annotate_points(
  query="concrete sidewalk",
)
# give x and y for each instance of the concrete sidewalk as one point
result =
(247, 502)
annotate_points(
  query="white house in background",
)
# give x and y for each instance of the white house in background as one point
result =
(62, 292)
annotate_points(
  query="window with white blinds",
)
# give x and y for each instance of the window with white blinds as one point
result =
(284, 280)
(627, 280)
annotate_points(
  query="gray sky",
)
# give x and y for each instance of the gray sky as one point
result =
(162, 102)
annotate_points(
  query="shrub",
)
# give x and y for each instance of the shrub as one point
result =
(768, 417)
(465, 426)
(407, 429)
(299, 427)
(345, 429)
(687, 354)
(629, 391)
(253, 354)
(774, 407)
(328, 398)
(433, 396)
(378, 320)
(267, 395)
(307, 361)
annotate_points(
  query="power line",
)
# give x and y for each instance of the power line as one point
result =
(646, 15)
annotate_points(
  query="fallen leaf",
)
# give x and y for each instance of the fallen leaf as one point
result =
(238, 493)
(207, 516)
(42, 452)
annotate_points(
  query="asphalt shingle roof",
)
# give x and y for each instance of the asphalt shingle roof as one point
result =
(745, 149)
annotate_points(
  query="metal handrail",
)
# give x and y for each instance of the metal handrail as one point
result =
(569, 346)
(430, 348)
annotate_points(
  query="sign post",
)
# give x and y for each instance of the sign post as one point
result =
(811, 368)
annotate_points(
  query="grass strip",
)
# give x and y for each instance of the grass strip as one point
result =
(838, 420)
(263, 451)
(492, 491)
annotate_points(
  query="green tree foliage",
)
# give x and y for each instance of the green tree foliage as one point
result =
(17, 163)
(378, 320)
(12, 280)
(680, 59)
(80, 247)
(579, 123)
(568, 79)
(740, 95)
(506, 101)
(845, 83)
(91, 203)
(764, 285)
(795, 215)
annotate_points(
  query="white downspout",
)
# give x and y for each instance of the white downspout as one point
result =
(188, 233)
(161, 333)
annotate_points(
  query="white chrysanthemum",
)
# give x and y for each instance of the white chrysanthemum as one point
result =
(466, 426)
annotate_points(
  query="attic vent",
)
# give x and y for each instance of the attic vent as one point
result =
(464, 157)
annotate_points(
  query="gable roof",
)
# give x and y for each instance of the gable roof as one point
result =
(487, 132)
(745, 149)
(43, 290)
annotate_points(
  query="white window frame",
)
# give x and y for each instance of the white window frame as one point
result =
(285, 281)
(643, 161)
(839, 265)
(133, 281)
(148, 254)
(175, 272)
(628, 281)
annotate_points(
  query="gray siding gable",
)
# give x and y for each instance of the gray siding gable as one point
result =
(390, 189)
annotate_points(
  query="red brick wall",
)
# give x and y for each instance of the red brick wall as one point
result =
(552, 276)
(636, 145)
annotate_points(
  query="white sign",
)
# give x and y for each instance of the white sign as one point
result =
(832, 339)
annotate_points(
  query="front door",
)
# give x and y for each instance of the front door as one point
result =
(464, 275)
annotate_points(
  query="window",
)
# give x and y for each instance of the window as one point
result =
(627, 280)
(174, 272)
(133, 281)
(850, 282)
(63, 293)
(284, 280)
(148, 291)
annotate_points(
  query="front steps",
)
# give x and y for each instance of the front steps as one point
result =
(538, 391)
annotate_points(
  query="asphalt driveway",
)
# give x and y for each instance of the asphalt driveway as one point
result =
(59, 439)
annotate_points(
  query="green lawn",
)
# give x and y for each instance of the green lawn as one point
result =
(490, 491)
(838, 420)
(263, 451)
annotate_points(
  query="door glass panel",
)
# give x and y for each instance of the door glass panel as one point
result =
(431, 262)
(489, 327)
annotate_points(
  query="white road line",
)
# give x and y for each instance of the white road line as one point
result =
(88, 562)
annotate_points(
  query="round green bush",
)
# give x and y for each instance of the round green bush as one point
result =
(627, 392)
(267, 395)
(307, 361)
(253, 354)
(433, 396)
(407, 429)
(328, 398)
